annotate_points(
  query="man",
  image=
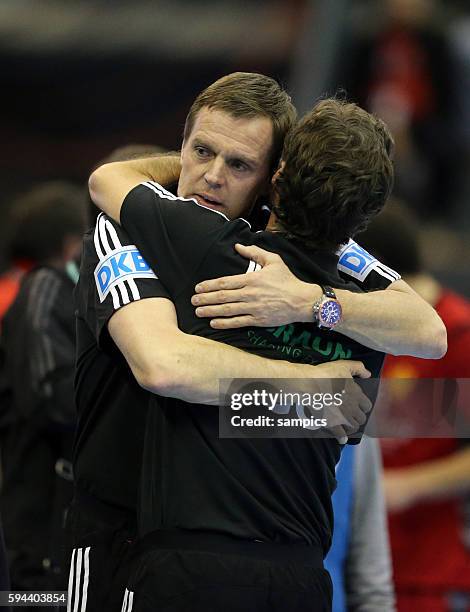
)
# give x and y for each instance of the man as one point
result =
(105, 388)
(38, 344)
(173, 243)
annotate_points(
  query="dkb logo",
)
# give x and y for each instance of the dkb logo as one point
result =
(120, 265)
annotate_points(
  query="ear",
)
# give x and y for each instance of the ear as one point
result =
(278, 172)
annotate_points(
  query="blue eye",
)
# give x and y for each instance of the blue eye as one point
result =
(239, 166)
(201, 151)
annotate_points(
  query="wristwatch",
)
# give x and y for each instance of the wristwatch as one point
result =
(327, 311)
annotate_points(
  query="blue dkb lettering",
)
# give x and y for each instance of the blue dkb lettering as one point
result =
(355, 258)
(139, 262)
(118, 265)
(103, 281)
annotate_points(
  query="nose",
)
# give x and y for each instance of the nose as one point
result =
(214, 174)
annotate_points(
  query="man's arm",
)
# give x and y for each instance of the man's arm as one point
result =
(437, 479)
(109, 184)
(167, 361)
(395, 320)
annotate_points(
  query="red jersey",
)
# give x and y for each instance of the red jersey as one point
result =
(10, 283)
(431, 541)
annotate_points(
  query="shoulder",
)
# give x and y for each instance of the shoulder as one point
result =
(152, 193)
(362, 267)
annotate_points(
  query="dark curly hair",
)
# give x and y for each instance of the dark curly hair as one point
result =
(338, 174)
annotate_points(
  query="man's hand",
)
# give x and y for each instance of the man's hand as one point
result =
(395, 320)
(343, 368)
(346, 419)
(268, 297)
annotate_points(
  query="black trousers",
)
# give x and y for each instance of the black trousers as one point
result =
(99, 550)
(238, 577)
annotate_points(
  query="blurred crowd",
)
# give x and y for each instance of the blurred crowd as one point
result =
(408, 61)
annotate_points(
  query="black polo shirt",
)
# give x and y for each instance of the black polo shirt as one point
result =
(267, 489)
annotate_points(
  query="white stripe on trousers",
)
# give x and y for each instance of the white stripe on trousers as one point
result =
(86, 579)
(80, 559)
(71, 578)
(128, 601)
(78, 571)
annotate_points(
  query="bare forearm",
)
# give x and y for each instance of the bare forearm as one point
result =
(441, 478)
(196, 379)
(169, 362)
(109, 184)
(396, 320)
(393, 322)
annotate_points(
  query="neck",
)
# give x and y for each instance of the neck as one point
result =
(274, 224)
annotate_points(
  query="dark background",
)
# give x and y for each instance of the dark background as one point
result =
(81, 78)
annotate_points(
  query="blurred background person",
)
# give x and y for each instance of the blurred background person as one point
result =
(426, 480)
(401, 68)
(21, 251)
(38, 412)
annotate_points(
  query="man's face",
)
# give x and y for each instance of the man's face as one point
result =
(225, 162)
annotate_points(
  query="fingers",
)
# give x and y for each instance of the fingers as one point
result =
(339, 433)
(260, 256)
(238, 281)
(352, 414)
(365, 404)
(348, 428)
(357, 368)
(225, 310)
(358, 397)
(355, 421)
(218, 297)
(233, 322)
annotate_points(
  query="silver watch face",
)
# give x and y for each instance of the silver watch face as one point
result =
(330, 313)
